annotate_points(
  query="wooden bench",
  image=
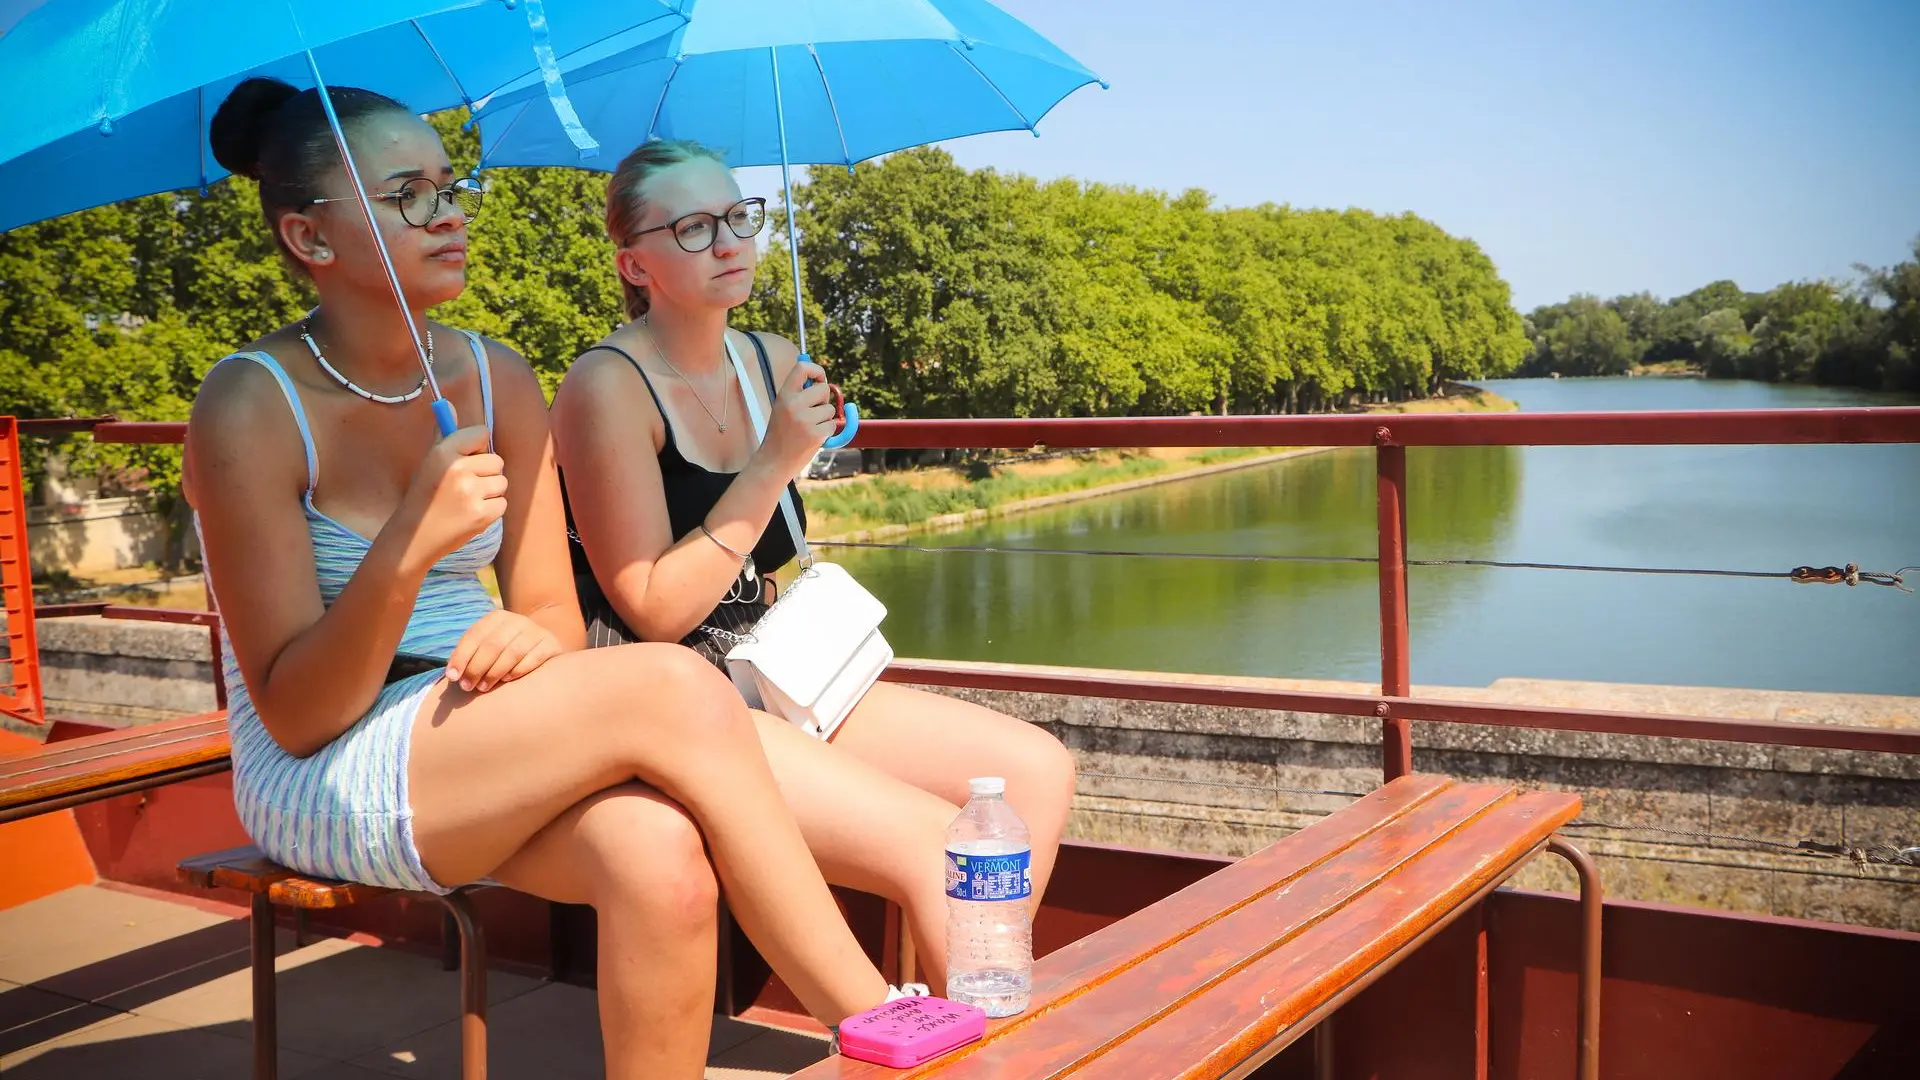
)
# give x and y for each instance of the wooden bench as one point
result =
(1216, 979)
(56, 776)
(270, 885)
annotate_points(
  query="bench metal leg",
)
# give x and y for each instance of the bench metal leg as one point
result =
(1587, 1038)
(473, 986)
(266, 1014)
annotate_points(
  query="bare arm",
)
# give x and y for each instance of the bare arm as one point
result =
(536, 576)
(660, 588)
(311, 670)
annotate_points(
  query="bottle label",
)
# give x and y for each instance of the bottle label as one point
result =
(990, 877)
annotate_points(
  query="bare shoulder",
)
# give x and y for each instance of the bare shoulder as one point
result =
(602, 386)
(510, 372)
(782, 353)
(242, 426)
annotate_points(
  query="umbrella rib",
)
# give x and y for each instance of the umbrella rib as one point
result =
(465, 98)
(838, 128)
(661, 101)
(1011, 107)
(511, 124)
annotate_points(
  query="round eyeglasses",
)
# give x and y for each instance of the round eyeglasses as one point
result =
(420, 199)
(696, 232)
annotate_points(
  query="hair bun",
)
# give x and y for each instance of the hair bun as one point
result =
(241, 123)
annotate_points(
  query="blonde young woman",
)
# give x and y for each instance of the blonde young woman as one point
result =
(675, 506)
(343, 536)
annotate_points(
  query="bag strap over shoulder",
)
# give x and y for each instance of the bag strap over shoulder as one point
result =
(749, 391)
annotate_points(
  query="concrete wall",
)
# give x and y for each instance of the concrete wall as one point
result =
(118, 673)
(99, 536)
(1230, 781)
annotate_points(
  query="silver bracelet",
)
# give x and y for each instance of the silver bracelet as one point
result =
(722, 544)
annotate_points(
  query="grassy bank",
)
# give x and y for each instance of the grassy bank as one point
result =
(920, 498)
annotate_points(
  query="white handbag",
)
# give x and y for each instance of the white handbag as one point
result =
(818, 649)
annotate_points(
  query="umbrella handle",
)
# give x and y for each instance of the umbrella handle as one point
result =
(443, 417)
(850, 425)
(845, 413)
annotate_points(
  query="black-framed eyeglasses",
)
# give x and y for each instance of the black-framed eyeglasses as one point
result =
(420, 199)
(695, 232)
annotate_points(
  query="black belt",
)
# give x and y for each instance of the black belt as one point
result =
(407, 665)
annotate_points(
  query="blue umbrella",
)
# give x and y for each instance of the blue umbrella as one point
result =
(103, 100)
(786, 81)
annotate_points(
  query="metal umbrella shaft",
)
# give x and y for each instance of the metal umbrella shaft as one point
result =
(845, 435)
(443, 415)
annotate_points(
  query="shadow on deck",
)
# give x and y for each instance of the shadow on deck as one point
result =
(97, 981)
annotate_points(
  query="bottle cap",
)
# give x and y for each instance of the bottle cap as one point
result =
(987, 785)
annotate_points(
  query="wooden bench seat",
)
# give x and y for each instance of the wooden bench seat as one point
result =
(59, 775)
(1223, 975)
(270, 885)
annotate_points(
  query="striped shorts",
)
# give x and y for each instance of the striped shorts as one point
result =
(342, 812)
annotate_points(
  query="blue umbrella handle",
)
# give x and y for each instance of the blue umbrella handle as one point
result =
(851, 411)
(835, 442)
(444, 418)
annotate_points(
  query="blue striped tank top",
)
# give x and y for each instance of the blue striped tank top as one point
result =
(343, 811)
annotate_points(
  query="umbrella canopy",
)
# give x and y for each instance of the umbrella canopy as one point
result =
(781, 81)
(102, 100)
(857, 78)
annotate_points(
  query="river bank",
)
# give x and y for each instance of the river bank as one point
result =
(873, 507)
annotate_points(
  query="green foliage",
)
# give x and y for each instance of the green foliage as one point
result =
(944, 292)
(931, 291)
(1866, 335)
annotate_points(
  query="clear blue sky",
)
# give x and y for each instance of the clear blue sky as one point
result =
(1608, 146)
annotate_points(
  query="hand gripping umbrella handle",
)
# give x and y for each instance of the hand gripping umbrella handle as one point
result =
(846, 414)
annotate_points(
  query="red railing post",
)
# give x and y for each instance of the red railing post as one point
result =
(20, 694)
(1396, 735)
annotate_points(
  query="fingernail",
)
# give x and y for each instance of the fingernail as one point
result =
(466, 684)
(453, 674)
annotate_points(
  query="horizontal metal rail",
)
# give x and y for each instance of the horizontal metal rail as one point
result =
(1197, 690)
(1897, 424)
(1389, 435)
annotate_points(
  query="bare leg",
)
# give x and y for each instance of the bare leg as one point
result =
(639, 860)
(938, 743)
(868, 831)
(491, 770)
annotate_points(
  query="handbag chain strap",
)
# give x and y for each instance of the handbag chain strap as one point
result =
(749, 390)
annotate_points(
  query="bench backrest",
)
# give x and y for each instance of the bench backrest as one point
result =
(1239, 963)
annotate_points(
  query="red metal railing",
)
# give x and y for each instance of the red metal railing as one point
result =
(20, 691)
(1389, 436)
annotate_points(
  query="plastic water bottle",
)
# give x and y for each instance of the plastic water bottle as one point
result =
(989, 890)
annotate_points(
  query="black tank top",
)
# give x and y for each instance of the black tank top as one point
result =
(691, 492)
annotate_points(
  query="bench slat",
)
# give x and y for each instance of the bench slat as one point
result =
(1114, 947)
(1194, 984)
(102, 761)
(1165, 988)
(1250, 1008)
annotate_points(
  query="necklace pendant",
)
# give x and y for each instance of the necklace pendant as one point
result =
(723, 429)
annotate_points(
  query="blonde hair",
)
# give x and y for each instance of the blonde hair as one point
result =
(627, 198)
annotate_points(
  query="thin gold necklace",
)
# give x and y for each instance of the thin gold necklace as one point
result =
(726, 398)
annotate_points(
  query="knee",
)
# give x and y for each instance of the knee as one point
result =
(678, 693)
(654, 866)
(1049, 770)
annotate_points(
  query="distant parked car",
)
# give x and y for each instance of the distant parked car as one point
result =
(832, 464)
